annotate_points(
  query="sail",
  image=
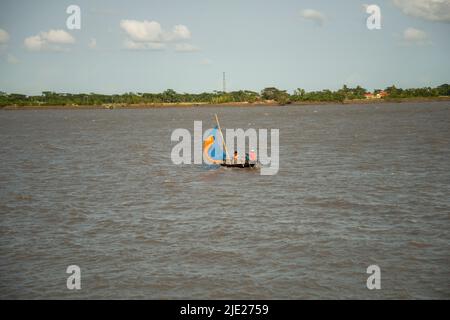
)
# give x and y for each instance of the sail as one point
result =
(212, 147)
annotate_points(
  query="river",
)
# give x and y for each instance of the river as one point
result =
(358, 185)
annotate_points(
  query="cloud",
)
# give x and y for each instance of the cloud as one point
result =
(185, 47)
(142, 30)
(34, 43)
(4, 36)
(433, 10)
(53, 40)
(415, 36)
(149, 35)
(151, 31)
(180, 32)
(58, 36)
(12, 59)
(133, 45)
(93, 43)
(316, 16)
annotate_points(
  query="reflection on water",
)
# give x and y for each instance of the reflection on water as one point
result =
(358, 185)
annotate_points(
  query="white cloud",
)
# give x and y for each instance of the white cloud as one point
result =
(151, 31)
(185, 47)
(34, 43)
(93, 43)
(149, 35)
(313, 15)
(49, 41)
(180, 32)
(142, 30)
(12, 59)
(433, 10)
(133, 45)
(415, 36)
(58, 36)
(4, 36)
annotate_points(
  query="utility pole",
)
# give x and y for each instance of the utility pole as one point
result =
(224, 83)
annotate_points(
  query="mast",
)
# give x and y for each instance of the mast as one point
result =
(224, 83)
(223, 140)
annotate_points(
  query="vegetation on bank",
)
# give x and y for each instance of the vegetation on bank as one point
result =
(48, 98)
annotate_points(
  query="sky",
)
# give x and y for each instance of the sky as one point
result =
(151, 46)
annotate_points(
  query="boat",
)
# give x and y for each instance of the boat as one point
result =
(238, 165)
(217, 154)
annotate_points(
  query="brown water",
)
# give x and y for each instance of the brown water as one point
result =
(358, 185)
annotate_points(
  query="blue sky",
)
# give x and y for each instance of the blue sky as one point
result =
(257, 43)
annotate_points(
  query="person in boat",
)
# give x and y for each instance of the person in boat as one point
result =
(252, 156)
(235, 157)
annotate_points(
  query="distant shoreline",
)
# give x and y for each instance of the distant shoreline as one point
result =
(229, 104)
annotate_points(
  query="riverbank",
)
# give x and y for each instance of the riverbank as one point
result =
(230, 104)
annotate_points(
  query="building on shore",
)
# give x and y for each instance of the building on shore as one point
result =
(377, 95)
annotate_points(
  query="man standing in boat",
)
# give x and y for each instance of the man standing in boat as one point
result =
(235, 157)
(252, 156)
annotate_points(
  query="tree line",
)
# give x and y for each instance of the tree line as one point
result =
(48, 98)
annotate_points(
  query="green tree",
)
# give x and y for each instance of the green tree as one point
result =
(269, 93)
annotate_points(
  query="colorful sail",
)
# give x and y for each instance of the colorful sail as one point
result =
(212, 147)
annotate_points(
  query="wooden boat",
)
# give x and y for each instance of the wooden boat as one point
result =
(226, 161)
(238, 165)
